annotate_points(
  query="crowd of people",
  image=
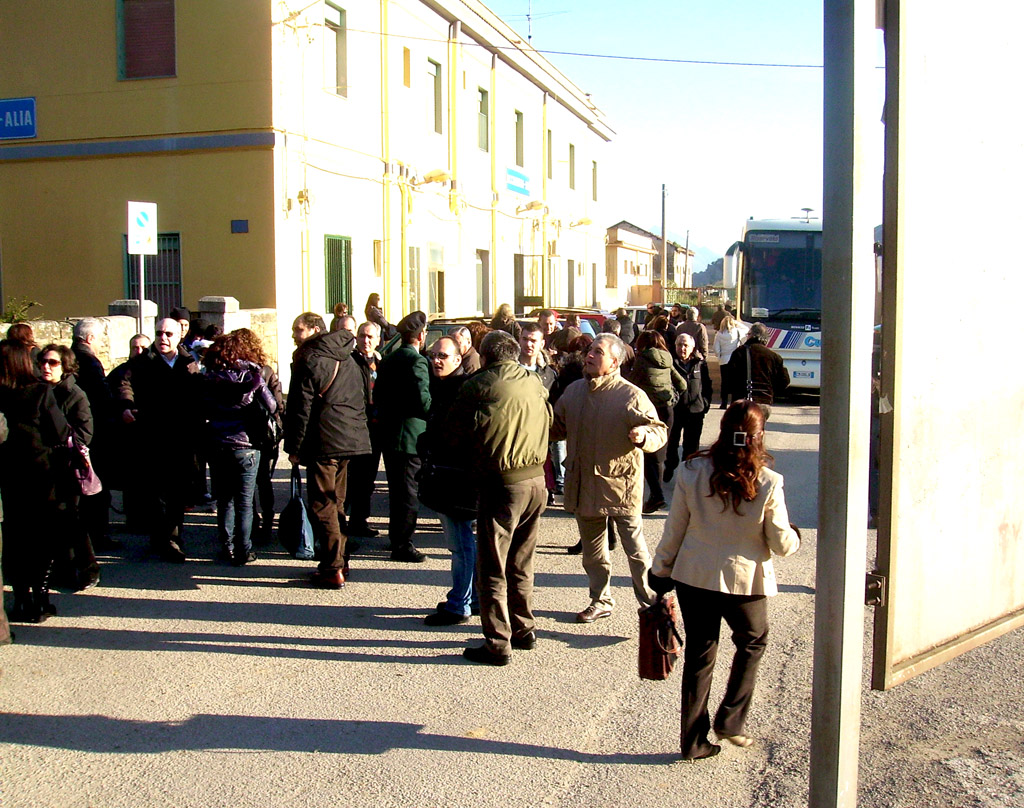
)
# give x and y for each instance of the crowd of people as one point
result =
(488, 426)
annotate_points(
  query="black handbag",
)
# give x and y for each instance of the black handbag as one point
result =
(448, 490)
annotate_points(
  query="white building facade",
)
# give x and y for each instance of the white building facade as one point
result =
(424, 152)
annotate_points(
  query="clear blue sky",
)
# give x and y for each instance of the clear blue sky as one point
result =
(729, 142)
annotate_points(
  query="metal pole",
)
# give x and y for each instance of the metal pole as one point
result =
(847, 303)
(142, 287)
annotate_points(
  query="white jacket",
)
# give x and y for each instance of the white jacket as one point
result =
(726, 342)
(709, 547)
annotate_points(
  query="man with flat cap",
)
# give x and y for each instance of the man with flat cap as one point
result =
(402, 397)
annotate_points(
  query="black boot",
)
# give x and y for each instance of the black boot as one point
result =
(23, 609)
(41, 596)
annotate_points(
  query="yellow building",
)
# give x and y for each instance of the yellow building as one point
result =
(300, 154)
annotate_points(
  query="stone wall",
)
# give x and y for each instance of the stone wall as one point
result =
(118, 329)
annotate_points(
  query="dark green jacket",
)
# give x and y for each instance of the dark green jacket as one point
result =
(402, 397)
(501, 419)
(654, 374)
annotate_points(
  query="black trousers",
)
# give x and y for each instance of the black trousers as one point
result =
(362, 474)
(654, 462)
(403, 497)
(703, 611)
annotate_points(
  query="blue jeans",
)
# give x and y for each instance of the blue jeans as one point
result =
(463, 595)
(557, 449)
(233, 473)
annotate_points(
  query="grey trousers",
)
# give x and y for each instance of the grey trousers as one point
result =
(506, 534)
(597, 560)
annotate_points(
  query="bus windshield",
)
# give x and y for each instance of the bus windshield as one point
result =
(782, 278)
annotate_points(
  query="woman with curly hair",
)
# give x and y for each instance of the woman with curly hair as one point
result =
(252, 350)
(236, 401)
(477, 332)
(728, 516)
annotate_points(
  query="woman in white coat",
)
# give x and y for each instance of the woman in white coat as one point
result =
(727, 339)
(728, 516)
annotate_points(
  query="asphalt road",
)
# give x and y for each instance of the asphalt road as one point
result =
(205, 685)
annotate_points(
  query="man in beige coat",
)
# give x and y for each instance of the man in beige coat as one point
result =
(608, 424)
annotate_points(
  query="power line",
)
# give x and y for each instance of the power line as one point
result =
(546, 52)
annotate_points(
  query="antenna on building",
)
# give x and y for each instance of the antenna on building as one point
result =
(806, 217)
(529, 22)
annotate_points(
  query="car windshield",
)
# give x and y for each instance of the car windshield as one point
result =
(782, 277)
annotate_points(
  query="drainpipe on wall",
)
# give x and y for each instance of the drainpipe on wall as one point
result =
(492, 144)
(455, 30)
(546, 279)
(385, 146)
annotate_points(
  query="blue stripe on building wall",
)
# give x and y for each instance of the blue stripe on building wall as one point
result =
(116, 148)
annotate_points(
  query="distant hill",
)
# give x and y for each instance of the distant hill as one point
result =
(702, 256)
(711, 275)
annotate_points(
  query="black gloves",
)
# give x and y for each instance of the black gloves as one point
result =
(662, 586)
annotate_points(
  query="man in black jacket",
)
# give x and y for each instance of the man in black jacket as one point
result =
(457, 511)
(324, 427)
(95, 509)
(163, 433)
(756, 361)
(402, 398)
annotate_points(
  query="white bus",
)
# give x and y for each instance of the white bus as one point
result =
(776, 271)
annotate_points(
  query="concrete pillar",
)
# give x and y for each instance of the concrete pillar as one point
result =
(130, 308)
(223, 312)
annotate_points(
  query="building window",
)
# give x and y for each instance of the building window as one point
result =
(593, 177)
(414, 279)
(435, 296)
(163, 273)
(519, 139)
(335, 50)
(338, 265)
(572, 166)
(146, 39)
(406, 67)
(551, 158)
(610, 280)
(436, 114)
(483, 125)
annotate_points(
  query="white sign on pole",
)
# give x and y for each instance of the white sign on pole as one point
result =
(142, 228)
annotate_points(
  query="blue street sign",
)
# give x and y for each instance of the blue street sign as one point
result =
(17, 118)
(517, 181)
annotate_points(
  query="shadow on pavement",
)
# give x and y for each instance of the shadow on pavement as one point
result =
(97, 733)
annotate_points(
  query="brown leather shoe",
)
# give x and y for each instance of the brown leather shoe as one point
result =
(331, 579)
(595, 611)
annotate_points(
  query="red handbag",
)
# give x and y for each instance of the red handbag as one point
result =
(660, 642)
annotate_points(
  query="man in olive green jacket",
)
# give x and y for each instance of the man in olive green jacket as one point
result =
(402, 397)
(500, 420)
(608, 424)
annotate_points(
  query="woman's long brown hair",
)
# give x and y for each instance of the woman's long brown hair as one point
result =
(738, 455)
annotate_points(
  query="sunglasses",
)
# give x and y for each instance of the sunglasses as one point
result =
(437, 355)
(166, 333)
(53, 363)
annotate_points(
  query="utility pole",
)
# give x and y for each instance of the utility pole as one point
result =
(686, 262)
(664, 240)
